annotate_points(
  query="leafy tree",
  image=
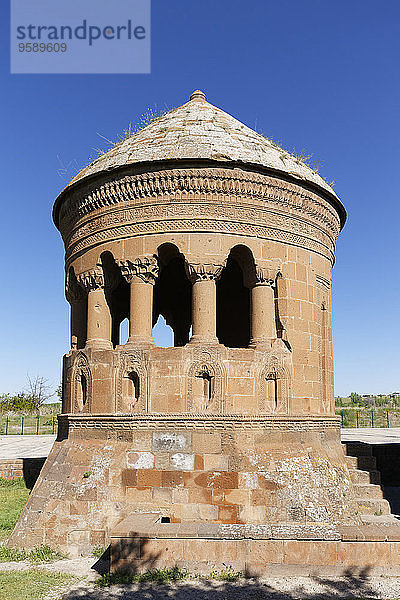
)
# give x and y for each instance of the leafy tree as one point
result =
(355, 398)
(28, 401)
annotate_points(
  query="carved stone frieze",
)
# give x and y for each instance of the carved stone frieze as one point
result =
(211, 423)
(190, 183)
(109, 227)
(144, 267)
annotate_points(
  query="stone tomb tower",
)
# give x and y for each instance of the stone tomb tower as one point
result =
(207, 223)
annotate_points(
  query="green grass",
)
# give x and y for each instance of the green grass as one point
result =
(226, 574)
(164, 576)
(30, 585)
(40, 554)
(98, 551)
(160, 576)
(13, 497)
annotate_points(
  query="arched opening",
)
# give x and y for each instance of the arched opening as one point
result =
(117, 295)
(203, 388)
(124, 331)
(233, 299)
(131, 391)
(82, 391)
(78, 299)
(271, 391)
(163, 334)
(173, 294)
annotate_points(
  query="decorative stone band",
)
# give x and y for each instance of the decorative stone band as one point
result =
(204, 272)
(92, 279)
(145, 219)
(192, 183)
(144, 267)
(198, 422)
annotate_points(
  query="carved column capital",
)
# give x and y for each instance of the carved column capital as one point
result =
(73, 291)
(203, 271)
(144, 267)
(266, 273)
(92, 279)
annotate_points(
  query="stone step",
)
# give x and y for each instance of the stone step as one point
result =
(358, 476)
(380, 519)
(367, 490)
(366, 463)
(358, 449)
(372, 506)
(351, 462)
(375, 477)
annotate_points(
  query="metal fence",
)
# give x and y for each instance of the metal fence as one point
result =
(28, 425)
(377, 417)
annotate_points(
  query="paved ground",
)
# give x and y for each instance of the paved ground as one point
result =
(371, 435)
(36, 446)
(355, 583)
(25, 446)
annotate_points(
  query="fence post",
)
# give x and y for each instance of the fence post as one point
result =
(387, 419)
(22, 425)
(37, 424)
(341, 416)
(6, 425)
(53, 424)
(372, 418)
(357, 418)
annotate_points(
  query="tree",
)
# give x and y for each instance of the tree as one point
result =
(38, 390)
(355, 398)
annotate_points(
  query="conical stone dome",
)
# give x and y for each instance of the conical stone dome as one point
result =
(199, 130)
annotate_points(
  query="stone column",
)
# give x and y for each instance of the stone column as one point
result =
(204, 301)
(76, 297)
(98, 314)
(141, 274)
(263, 323)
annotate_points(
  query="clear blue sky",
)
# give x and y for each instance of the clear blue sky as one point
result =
(318, 75)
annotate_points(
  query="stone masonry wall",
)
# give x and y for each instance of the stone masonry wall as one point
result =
(215, 471)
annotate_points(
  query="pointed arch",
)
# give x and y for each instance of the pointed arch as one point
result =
(205, 386)
(275, 385)
(132, 383)
(81, 385)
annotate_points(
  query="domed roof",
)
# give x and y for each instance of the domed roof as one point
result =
(199, 130)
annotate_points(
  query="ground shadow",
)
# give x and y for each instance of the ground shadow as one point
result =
(354, 583)
(31, 468)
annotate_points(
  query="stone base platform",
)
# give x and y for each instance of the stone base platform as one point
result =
(212, 470)
(141, 542)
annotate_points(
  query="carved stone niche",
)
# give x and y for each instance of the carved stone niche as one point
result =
(274, 383)
(206, 385)
(81, 385)
(132, 382)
